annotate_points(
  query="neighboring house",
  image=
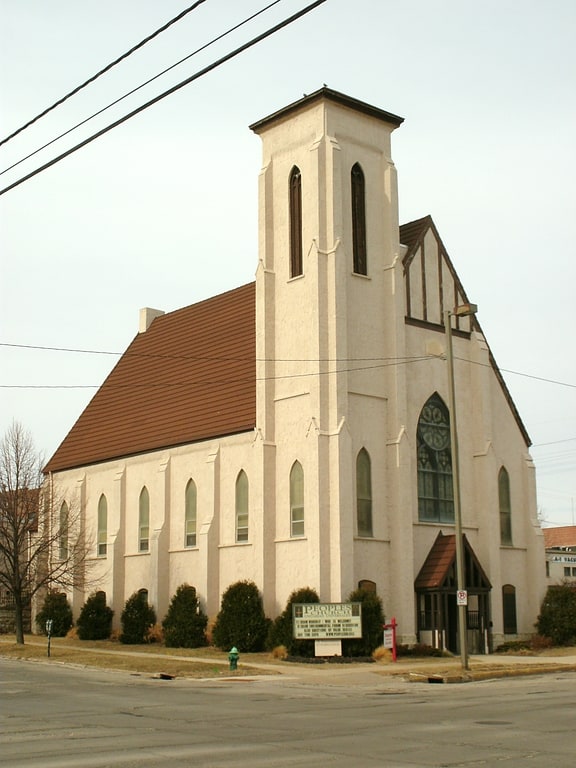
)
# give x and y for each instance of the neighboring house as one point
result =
(560, 554)
(296, 432)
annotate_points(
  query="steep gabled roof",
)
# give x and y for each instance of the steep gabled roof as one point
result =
(191, 376)
(560, 538)
(412, 235)
(438, 571)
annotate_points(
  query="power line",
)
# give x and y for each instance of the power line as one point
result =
(169, 92)
(210, 382)
(129, 353)
(107, 68)
(517, 373)
(139, 87)
(277, 360)
(554, 442)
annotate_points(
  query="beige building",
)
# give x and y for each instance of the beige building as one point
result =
(296, 431)
(560, 545)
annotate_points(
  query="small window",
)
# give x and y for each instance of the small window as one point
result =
(102, 544)
(190, 514)
(435, 494)
(296, 500)
(359, 221)
(364, 493)
(505, 507)
(242, 507)
(144, 521)
(367, 586)
(509, 609)
(295, 222)
(63, 522)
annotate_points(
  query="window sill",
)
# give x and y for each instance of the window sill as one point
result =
(291, 538)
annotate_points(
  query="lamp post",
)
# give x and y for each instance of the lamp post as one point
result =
(462, 310)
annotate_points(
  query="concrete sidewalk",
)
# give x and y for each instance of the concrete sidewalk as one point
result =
(446, 670)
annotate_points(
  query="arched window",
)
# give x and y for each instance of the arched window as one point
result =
(102, 542)
(367, 586)
(435, 495)
(364, 493)
(505, 507)
(295, 222)
(358, 187)
(190, 514)
(509, 609)
(63, 521)
(144, 521)
(242, 507)
(296, 500)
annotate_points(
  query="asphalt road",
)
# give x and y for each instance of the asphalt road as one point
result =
(64, 717)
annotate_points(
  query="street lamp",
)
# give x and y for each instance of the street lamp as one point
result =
(463, 310)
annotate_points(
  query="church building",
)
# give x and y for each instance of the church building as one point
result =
(295, 431)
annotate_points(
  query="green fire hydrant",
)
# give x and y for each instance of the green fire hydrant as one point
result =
(233, 657)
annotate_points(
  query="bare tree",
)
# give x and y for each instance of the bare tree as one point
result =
(42, 539)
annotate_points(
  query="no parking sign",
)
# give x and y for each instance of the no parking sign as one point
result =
(462, 597)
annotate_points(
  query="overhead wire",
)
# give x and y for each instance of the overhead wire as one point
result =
(230, 381)
(103, 71)
(284, 360)
(129, 353)
(139, 87)
(227, 57)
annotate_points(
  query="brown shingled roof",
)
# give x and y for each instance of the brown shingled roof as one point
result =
(437, 571)
(562, 537)
(191, 376)
(438, 563)
(412, 232)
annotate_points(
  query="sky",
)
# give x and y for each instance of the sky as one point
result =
(162, 210)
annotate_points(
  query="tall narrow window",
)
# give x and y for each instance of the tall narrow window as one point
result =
(295, 222)
(505, 507)
(144, 521)
(102, 544)
(242, 507)
(359, 220)
(509, 609)
(296, 500)
(190, 514)
(63, 520)
(364, 493)
(435, 496)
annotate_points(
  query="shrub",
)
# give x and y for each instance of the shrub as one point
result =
(95, 620)
(513, 646)
(241, 621)
(154, 634)
(57, 608)
(185, 625)
(418, 651)
(372, 624)
(540, 643)
(557, 619)
(137, 617)
(281, 630)
(382, 654)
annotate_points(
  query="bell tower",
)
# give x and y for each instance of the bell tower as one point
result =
(328, 231)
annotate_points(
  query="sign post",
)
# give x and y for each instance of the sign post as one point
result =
(390, 637)
(49, 633)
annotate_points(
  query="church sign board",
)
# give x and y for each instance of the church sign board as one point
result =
(327, 621)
